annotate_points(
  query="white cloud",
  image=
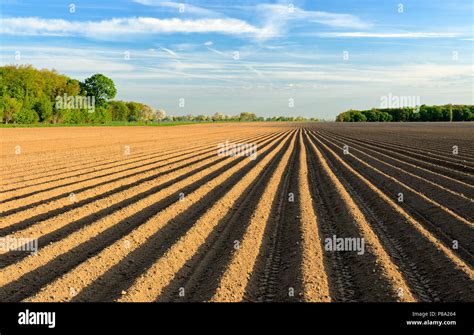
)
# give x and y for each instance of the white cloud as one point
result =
(182, 8)
(274, 21)
(170, 52)
(279, 15)
(208, 43)
(118, 27)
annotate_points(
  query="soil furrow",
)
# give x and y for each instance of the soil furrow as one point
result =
(423, 258)
(116, 170)
(385, 279)
(233, 283)
(149, 286)
(451, 185)
(441, 221)
(44, 208)
(116, 252)
(463, 207)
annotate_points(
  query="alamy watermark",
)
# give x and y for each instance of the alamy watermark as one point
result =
(10, 243)
(237, 149)
(75, 102)
(37, 318)
(399, 101)
(335, 243)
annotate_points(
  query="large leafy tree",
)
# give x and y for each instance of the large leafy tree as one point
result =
(100, 87)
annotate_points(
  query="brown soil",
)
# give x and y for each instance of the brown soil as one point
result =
(174, 221)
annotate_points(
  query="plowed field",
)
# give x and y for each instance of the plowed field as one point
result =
(158, 214)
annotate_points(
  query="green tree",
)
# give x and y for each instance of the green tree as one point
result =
(415, 116)
(11, 107)
(450, 113)
(218, 117)
(436, 113)
(247, 117)
(133, 110)
(119, 110)
(100, 87)
(372, 115)
(101, 114)
(425, 113)
(25, 115)
(358, 117)
(466, 114)
(347, 117)
(74, 116)
(44, 109)
(457, 113)
(201, 117)
(385, 117)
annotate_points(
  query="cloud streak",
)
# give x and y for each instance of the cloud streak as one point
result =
(170, 52)
(34, 26)
(281, 16)
(274, 22)
(388, 35)
(183, 8)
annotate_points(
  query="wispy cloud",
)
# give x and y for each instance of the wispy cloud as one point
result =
(217, 52)
(277, 19)
(125, 26)
(280, 15)
(183, 8)
(170, 52)
(388, 35)
(274, 21)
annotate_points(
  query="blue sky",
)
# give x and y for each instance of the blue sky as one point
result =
(234, 56)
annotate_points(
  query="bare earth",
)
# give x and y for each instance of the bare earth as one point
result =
(155, 214)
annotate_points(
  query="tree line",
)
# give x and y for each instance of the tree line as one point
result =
(29, 96)
(407, 114)
(242, 117)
